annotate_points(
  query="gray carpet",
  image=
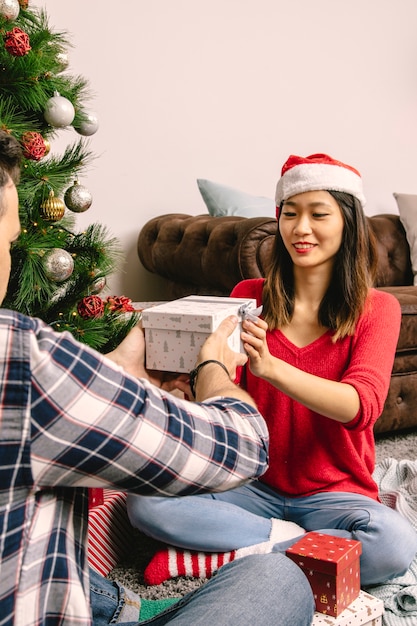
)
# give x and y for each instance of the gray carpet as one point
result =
(130, 571)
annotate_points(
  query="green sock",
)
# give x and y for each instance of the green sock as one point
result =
(150, 608)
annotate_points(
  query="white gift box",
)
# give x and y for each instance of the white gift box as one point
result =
(175, 331)
(366, 610)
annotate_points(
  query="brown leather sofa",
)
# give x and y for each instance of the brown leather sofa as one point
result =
(208, 255)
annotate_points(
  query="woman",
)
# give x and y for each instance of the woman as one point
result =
(319, 369)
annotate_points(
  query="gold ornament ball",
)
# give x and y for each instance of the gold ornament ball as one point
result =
(53, 209)
(47, 146)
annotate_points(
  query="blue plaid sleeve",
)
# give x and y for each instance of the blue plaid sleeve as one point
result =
(94, 425)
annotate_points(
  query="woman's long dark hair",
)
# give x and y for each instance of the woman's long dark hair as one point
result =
(353, 275)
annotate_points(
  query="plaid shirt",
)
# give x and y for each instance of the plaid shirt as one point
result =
(71, 419)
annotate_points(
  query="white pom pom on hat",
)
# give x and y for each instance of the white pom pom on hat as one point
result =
(317, 172)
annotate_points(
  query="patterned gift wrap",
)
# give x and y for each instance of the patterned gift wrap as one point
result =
(366, 610)
(175, 331)
(331, 565)
(109, 531)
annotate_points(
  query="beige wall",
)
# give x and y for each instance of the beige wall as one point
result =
(226, 90)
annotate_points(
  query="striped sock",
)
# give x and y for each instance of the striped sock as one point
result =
(171, 562)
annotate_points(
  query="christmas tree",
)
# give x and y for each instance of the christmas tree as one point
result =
(57, 272)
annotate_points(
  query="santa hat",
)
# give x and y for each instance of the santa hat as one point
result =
(317, 172)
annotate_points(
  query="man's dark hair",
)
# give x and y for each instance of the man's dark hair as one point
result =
(10, 158)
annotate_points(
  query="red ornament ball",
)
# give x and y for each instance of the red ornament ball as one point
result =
(24, 4)
(33, 145)
(16, 42)
(90, 307)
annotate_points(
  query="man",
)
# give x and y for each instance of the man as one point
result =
(70, 419)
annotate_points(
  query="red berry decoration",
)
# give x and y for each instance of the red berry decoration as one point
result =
(90, 307)
(16, 42)
(120, 304)
(33, 145)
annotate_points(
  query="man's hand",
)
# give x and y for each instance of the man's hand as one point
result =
(216, 347)
(130, 354)
(212, 380)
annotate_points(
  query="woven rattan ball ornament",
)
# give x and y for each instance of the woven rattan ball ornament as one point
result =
(9, 9)
(16, 42)
(78, 198)
(33, 145)
(90, 307)
(58, 265)
(53, 209)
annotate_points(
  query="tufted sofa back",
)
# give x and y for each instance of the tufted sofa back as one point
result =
(209, 255)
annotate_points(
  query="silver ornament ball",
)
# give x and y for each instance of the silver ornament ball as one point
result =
(78, 198)
(9, 9)
(89, 125)
(63, 60)
(98, 285)
(58, 265)
(59, 293)
(59, 111)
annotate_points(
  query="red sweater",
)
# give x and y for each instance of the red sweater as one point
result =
(310, 453)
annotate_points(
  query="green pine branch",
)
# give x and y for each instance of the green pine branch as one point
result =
(103, 334)
(26, 85)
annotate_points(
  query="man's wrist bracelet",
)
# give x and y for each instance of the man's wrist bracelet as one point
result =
(195, 371)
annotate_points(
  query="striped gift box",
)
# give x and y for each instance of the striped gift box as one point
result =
(109, 531)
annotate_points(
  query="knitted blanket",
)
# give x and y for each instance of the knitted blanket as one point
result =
(397, 482)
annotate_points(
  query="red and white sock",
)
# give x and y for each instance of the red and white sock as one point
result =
(171, 562)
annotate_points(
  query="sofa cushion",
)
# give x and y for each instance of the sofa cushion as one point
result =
(222, 200)
(407, 208)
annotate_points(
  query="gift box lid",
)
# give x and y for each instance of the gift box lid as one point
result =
(324, 553)
(195, 313)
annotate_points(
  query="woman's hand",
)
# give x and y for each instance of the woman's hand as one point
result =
(336, 400)
(254, 342)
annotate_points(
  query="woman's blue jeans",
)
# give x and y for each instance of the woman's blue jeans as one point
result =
(255, 590)
(242, 517)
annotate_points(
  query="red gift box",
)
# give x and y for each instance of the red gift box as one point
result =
(331, 565)
(95, 497)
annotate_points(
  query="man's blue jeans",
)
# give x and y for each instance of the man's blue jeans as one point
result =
(242, 517)
(252, 591)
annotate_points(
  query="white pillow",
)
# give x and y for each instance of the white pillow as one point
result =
(222, 200)
(407, 208)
